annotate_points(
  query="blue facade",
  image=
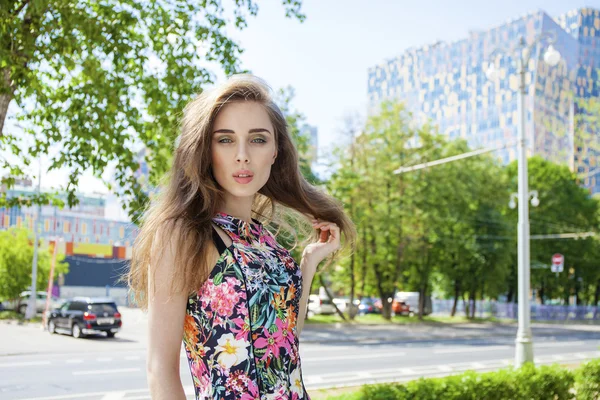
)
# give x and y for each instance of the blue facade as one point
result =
(446, 83)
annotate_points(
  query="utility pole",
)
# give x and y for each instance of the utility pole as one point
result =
(32, 303)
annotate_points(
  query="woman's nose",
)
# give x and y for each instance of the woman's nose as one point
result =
(242, 155)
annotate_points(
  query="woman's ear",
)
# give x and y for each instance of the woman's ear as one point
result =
(274, 157)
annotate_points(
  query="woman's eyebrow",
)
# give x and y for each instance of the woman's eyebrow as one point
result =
(253, 130)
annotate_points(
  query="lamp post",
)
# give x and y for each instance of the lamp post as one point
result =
(522, 53)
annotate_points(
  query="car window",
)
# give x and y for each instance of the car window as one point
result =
(65, 306)
(101, 308)
(77, 306)
(41, 296)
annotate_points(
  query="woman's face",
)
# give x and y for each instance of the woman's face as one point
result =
(243, 148)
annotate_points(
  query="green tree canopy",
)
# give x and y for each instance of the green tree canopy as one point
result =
(16, 257)
(93, 80)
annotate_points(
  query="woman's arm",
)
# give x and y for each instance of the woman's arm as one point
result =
(308, 273)
(313, 254)
(165, 324)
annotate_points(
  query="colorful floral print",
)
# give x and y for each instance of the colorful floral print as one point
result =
(240, 328)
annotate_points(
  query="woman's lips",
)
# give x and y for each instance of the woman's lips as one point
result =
(243, 181)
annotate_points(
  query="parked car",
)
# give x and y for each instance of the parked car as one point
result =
(20, 303)
(368, 305)
(83, 316)
(412, 299)
(341, 303)
(320, 305)
(401, 308)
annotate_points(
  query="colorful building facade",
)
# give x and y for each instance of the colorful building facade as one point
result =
(81, 230)
(446, 83)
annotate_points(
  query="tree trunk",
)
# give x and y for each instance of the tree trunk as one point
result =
(364, 261)
(456, 294)
(386, 308)
(330, 297)
(352, 285)
(597, 294)
(5, 97)
(473, 301)
(466, 305)
(422, 293)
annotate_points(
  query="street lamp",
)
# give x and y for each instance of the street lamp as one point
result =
(535, 201)
(522, 53)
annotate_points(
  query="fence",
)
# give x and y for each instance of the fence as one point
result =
(539, 312)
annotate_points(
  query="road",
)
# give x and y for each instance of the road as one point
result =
(60, 367)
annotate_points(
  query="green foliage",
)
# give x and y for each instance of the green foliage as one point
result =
(528, 382)
(565, 207)
(97, 80)
(588, 381)
(448, 228)
(16, 257)
(441, 222)
(296, 121)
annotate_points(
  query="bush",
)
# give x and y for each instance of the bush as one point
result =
(545, 382)
(588, 381)
(528, 382)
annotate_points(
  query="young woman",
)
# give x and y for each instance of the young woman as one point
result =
(206, 267)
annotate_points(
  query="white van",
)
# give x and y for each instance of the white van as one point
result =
(412, 299)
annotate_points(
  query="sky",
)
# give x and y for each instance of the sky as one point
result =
(326, 58)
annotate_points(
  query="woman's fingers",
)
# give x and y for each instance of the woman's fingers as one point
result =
(330, 232)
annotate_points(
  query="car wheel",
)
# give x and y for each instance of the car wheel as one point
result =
(110, 334)
(76, 331)
(411, 314)
(23, 309)
(51, 327)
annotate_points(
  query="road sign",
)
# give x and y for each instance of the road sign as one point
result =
(558, 263)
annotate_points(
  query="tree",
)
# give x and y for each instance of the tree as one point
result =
(95, 80)
(443, 220)
(565, 207)
(296, 122)
(16, 257)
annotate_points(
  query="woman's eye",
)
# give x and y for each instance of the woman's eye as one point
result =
(259, 140)
(225, 140)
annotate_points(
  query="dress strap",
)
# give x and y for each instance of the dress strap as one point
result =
(221, 247)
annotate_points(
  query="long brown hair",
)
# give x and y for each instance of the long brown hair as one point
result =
(189, 199)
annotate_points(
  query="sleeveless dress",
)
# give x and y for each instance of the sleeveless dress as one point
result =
(240, 327)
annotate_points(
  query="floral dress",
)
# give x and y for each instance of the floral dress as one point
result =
(240, 328)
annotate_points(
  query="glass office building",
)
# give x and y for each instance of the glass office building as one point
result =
(446, 83)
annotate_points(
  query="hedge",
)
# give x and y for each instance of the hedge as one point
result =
(527, 383)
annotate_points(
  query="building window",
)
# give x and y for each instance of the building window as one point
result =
(46, 225)
(83, 228)
(19, 221)
(66, 227)
(121, 232)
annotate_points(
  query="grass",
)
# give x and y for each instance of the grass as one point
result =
(349, 393)
(402, 320)
(15, 316)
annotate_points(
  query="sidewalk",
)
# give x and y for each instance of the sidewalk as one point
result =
(340, 332)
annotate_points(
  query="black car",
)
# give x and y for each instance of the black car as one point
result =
(83, 316)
